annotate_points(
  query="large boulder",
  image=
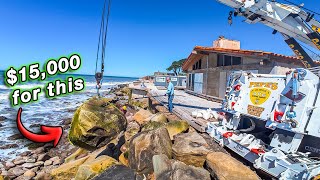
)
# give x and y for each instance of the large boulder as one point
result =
(90, 169)
(142, 116)
(165, 169)
(117, 172)
(190, 148)
(96, 123)
(225, 167)
(176, 127)
(147, 144)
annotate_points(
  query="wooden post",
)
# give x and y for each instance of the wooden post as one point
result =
(130, 97)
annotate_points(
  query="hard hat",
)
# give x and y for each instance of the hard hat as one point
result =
(124, 108)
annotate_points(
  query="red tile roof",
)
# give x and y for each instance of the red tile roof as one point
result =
(200, 50)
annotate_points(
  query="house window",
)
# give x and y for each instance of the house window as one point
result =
(197, 65)
(236, 60)
(220, 60)
(225, 60)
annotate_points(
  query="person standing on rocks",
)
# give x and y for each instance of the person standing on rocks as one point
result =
(170, 93)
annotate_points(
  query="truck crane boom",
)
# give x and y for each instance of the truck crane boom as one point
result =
(290, 20)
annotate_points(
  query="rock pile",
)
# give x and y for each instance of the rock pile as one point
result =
(133, 144)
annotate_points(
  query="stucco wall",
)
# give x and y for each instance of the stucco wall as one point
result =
(212, 75)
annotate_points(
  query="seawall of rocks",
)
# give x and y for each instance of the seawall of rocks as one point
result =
(108, 138)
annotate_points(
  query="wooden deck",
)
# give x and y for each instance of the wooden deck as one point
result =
(184, 104)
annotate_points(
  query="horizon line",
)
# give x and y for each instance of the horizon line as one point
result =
(90, 75)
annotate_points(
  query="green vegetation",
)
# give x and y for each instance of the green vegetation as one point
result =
(176, 66)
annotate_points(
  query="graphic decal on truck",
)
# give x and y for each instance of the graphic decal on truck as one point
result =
(259, 96)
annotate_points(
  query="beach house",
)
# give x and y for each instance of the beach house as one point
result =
(208, 68)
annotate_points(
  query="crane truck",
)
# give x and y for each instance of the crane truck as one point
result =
(273, 121)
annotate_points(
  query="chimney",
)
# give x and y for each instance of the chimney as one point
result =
(222, 42)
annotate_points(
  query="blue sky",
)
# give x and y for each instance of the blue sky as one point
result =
(145, 36)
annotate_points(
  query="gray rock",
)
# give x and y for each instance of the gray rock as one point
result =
(56, 160)
(117, 172)
(48, 163)
(165, 169)
(19, 161)
(43, 157)
(2, 118)
(32, 165)
(30, 160)
(38, 150)
(9, 165)
(29, 165)
(9, 146)
(17, 171)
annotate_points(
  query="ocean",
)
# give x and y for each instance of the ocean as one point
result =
(45, 111)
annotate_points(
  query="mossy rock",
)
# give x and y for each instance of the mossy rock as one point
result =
(176, 127)
(95, 123)
(67, 171)
(160, 118)
(152, 125)
(126, 90)
(90, 169)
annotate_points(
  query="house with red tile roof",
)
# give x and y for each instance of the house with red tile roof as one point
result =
(208, 68)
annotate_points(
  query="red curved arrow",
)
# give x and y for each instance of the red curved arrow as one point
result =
(51, 133)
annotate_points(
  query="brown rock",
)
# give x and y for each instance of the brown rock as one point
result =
(142, 116)
(165, 169)
(43, 176)
(132, 129)
(225, 167)
(145, 145)
(190, 148)
(159, 118)
(29, 174)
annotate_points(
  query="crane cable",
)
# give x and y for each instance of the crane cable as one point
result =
(103, 41)
(311, 11)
